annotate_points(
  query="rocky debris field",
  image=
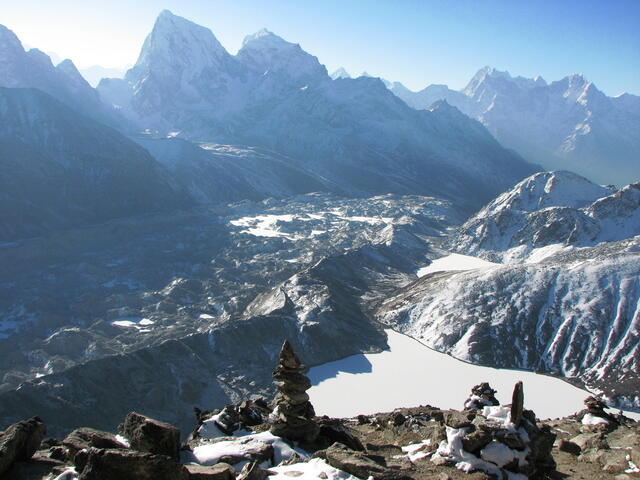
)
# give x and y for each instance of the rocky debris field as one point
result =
(134, 300)
(255, 439)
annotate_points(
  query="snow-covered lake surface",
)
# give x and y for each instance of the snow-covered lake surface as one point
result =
(455, 261)
(411, 374)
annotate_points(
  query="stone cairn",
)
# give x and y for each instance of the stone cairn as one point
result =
(482, 395)
(293, 415)
(596, 408)
(502, 441)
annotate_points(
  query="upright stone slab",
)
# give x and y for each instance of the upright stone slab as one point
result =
(293, 415)
(517, 405)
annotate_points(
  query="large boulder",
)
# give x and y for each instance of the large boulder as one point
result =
(148, 435)
(110, 464)
(20, 441)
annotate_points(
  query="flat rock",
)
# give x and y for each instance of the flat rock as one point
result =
(355, 463)
(110, 464)
(219, 471)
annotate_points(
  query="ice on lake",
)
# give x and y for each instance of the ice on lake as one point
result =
(411, 374)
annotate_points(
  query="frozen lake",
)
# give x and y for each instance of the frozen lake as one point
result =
(411, 374)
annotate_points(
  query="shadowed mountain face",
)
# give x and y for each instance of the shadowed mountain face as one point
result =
(565, 125)
(60, 169)
(352, 134)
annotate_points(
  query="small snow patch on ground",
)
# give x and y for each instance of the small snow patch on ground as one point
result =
(311, 470)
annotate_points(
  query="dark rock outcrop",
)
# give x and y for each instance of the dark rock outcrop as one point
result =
(20, 441)
(109, 464)
(148, 435)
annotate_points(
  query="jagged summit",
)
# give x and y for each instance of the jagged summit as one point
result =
(264, 51)
(175, 42)
(264, 37)
(340, 73)
(9, 43)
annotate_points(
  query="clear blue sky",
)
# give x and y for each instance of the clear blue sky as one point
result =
(412, 41)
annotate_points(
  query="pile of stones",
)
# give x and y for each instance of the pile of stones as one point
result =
(293, 415)
(500, 440)
(482, 395)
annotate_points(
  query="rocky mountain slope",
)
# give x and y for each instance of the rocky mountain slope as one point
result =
(565, 125)
(133, 293)
(566, 302)
(352, 133)
(60, 169)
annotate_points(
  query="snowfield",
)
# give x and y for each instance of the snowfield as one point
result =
(455, 261)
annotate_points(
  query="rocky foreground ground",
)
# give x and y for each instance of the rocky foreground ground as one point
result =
(256, 439)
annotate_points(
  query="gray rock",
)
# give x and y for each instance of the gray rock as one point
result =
(355, 463)
(455, 419)
(569, 447)
(20, 441)
(149, 435)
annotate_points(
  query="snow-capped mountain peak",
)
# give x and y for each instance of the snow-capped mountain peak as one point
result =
(340, 73)
(177, 45)
(9, 42)
(264, 51)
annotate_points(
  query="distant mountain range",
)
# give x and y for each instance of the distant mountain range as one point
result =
(568, 124)
(351, 137)
(353, 134)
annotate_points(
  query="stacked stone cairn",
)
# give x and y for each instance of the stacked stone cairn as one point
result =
(293, 414)
(499, 440)
(482, 395)
(595, 414)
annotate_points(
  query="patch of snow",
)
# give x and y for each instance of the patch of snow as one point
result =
(68, 474)
(120, 439)
(590, 419)
(311, 470)
(538, 254)
(455, 261)
(132, 322)
(210, 454)
(416, 451)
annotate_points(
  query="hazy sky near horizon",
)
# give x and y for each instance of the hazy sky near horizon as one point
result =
(416, 42)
